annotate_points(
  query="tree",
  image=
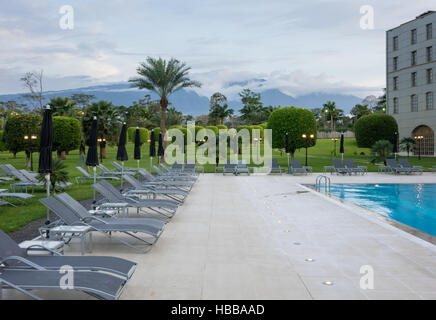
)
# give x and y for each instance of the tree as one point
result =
(63, 106)
(371, 128)
(2, 143)
(359, 111)
(108, 119)
(380, 107)
(144, 134)
(58, 175)
(332, 113)
(407, 144)
(82, 99)
(67, 135)
(219, 111)
(295, 122)
(174, 117)
(381, 149)
(253, 111)
(19, 126)
(33, 82)
(163, 78)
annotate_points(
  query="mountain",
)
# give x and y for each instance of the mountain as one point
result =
(189, 102)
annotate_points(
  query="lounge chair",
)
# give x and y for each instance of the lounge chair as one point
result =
(21, 197)
(229, 168)
(24, 182)
(174, 176)
(120, 167)
(393, 167)
(339, 168)
(175, 194)
(275, 168)
(87, 177)
(241, 167)
(32, 178)
(350, 165)
(69, 217)
(166, 208)
(8, 247)
(192, 169)
(105, 171)
(296, 167)
(165, 181)
(404, 163)
(176, 168)
(84, 214)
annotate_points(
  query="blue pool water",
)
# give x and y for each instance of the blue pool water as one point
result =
(410, 204)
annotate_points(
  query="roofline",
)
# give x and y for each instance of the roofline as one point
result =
(430, 12)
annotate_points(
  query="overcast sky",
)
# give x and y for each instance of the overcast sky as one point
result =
(297, 46)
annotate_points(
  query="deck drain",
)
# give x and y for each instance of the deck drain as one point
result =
(328, 283)
(297, 243)
(310, 260)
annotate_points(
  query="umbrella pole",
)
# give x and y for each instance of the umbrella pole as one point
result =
(138, 164)
(47, 177)
(151, 163)
(122, 173)
(289, 170)
(95, 180)
(342, 157)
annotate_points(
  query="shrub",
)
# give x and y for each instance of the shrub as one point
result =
(374, 127)
(295, 122)
(144, 134)
(214, 129)
(222, 127)
(381, 149)
(19, 126)
(156, 133)
(2, 143)
(67, 135)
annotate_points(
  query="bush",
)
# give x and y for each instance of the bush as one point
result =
(221, 127)
(67, 135)
(295, 122)
(144, 134)
(156, 133)
(19, 126)
(2, 143)
(214, 129)
(374, 127)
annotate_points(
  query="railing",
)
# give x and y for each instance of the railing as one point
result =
(327, 183)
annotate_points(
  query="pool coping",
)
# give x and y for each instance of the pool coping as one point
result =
(412, 234)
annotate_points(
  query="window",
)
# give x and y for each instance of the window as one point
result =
(429, 76)
(395, 63)
(395, 43)
(395, 105)
(429, 54)
(395, 83)
(413, 36)
(429, 100)
(413, 58)
(429, 29)
(413, 79)
(414, 102)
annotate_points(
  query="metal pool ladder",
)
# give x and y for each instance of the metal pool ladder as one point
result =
(319, 180)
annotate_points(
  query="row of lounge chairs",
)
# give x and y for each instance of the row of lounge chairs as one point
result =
(402, 166)
(102, 277)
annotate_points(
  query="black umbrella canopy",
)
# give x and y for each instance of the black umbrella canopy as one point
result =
(287, 147)
(341, 147)
(46, 144)
(122, 152)
(137, 151)
(152, 144)
(395, 148)
(92, 156)
(160, 149)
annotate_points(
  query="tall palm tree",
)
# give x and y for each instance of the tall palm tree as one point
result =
(163, 78)
(331, 111)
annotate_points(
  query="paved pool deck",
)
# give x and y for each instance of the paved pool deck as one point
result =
(250, 237)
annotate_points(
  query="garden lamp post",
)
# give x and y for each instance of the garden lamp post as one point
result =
(334, 142)
(101, 141)
(306, 138)
(31, 138)
(419, 138)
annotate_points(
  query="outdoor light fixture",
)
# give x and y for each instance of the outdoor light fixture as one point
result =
(334, 141)
(419, 138)
(306, 137)
(101, 140)
(30, 138)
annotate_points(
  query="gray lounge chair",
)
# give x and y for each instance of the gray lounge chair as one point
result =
(83, 214)
(105, 171)
(162, 181)
(32, 178)
(393, 167)
(87, 177)
(192, 169)
(296, 167)
(8, 247)
(24, 182)
(275, 168)
(339, 168)
(404, 163)
(166, 208)
(175, 194)
(174, 176)
(21, 197)
(229, 168)
(69, 217)
(241, 167)
(119, 167)
(350, 165)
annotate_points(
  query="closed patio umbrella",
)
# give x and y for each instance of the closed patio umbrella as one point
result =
(122, 152)
(152, 148)
(160, 149)
(395, 148)
(341, 147)
(287, 149)
(45, 150)
(137, 151)
(92, 155)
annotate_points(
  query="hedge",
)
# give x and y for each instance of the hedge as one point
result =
(144, 134)
(2, 143)
(295, 122)
(19, 126)
(67, 134)
(371, 128)
(222, 127)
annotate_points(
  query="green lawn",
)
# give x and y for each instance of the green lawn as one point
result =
(12, 219)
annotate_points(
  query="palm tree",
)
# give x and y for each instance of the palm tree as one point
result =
(407, 144)
(163, 78)
(330, 110)
(59, 174)
(381, 149)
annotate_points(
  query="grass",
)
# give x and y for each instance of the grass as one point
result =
(14, 218)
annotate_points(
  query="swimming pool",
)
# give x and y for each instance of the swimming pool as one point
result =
(411, 204)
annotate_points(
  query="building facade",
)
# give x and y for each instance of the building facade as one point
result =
(410, 83)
